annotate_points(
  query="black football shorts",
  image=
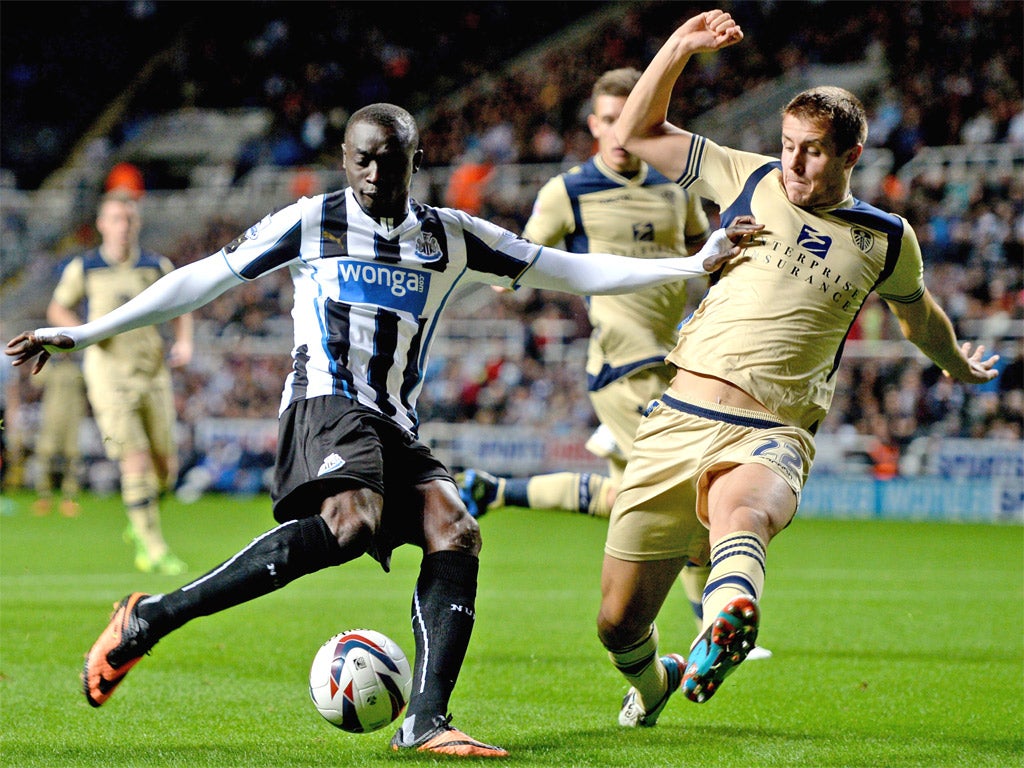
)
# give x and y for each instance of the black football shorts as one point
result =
(329, 444)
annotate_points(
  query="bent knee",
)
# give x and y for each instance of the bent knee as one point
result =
(764, 522)
(446, 523)
(353, 515)
(461, 534)
(618, 629)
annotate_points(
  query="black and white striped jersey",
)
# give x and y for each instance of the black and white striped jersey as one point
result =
(368, 296)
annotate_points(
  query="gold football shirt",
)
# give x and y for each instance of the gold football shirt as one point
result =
(104, 286)
(775, 320)
(594, 209)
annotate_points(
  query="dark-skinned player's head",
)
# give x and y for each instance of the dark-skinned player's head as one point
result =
(381, 153)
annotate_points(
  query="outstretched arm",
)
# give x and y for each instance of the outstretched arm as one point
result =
(176, 293)
(603, 273)
(642, 128)
(925, 324)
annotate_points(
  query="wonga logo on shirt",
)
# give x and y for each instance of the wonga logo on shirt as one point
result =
(814, 242)
(361, 282)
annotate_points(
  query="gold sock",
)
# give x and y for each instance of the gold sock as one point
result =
(737, 568)
(139, 493)
(602, 491)
(640, 666)
(570, 491)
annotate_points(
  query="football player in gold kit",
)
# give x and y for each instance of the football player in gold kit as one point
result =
(720, 459)
(126, 377)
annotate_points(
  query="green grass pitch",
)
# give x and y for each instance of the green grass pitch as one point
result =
(895, 644)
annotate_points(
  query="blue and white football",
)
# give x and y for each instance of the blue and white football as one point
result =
(360, 680)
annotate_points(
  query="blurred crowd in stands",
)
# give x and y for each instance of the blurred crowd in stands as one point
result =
(955, 79)
(955, 70)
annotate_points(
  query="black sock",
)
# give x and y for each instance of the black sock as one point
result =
(515, 492)
(272, 560)
(443, 612)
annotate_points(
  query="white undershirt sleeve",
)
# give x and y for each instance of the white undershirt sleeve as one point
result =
(604, 273)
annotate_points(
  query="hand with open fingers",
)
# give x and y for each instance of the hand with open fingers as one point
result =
(742, 232)
(28, 345)
(981, 369)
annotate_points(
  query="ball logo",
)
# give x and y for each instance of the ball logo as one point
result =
(863, 239)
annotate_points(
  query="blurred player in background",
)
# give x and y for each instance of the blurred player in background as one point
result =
(57, 451)
(126, 377)
(614, 203)
(372, 271)
(720, 459)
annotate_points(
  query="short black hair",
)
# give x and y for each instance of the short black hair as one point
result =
(400, 122)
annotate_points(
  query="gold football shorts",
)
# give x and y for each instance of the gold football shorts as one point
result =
(133, 414)
(661, 510)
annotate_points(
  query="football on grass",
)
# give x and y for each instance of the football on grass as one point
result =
(360, 680)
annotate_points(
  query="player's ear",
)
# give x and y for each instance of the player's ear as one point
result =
(417, 158)
(592, 124)
(853, 155)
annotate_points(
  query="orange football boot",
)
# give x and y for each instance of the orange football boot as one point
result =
(116, 651)
(445, 740)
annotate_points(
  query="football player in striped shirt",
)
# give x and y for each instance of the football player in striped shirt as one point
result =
(719, 461)
(372, 271)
